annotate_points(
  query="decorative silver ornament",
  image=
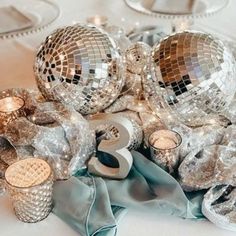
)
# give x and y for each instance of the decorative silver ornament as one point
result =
(190, 74)
(230, 113)
(66, 144)
(136, 57)
(81, 66)
(213, 165)
(199, 138)
(133, 85)
(230, 137)
(219, 206)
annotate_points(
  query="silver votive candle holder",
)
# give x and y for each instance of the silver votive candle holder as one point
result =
(164, 148)
(11, 107)
(29, 183)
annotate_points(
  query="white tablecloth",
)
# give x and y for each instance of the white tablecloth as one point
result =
(16, 61)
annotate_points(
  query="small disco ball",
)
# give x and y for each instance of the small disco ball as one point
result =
(80, 65)
(136, 57)
(191, 75)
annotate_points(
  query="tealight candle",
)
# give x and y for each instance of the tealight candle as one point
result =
(11, 108)
(11, 104)
(164, 148)
(98, 20)
(164, 143)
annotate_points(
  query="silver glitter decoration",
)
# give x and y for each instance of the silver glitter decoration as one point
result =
(230, 113)
(192, 75)
(8, 153)
(66, 144)
(133, 85)
(213, 165)
(219, 206)
(137, 57)
(230, 137)
(199, 138)
(81, 66)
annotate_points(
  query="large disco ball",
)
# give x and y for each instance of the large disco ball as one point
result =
(191, 75)
(80, 65)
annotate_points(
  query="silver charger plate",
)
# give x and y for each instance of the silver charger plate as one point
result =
(26, 16)
(177, 8)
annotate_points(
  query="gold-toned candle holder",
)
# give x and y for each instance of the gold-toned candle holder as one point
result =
(11, 107)
(164, 147)
(29, 183)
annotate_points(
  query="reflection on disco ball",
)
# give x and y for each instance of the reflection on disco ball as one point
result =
(192, 75)
(81, 66)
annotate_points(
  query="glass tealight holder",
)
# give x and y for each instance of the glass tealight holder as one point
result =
(164, 147)
(29, 183)
(11, 107)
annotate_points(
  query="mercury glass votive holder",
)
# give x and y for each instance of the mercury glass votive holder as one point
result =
(29, 183)
(164, 148)
(11, 107)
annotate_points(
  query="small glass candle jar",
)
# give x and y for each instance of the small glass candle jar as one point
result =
(164, 148)
(29, 183)
(11, 108)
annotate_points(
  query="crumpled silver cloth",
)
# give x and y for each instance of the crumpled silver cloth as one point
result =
(198, 138)
(230, 112)
(207, 167)
(219, 206)
(67, 143)
(8, 153)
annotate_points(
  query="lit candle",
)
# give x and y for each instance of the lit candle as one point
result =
(11, 104)
(11, 107)
(164, 143)
(164, 148)
(98, 20)
(165, 139)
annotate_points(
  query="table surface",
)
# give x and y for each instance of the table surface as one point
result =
(16, 62)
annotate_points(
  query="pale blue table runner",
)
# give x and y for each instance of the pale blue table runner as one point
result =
(93, 205)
